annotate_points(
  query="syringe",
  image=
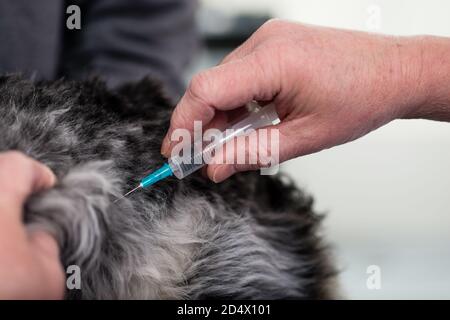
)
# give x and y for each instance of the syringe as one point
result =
(181, 167)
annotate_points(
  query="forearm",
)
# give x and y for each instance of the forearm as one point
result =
(432, 60)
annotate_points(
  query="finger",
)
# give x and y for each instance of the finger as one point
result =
(43, 177)
(250, 152)
(223, 88)
(281, 142)
(21, 176)
(46, 253)
(223, 119)
(30, 268)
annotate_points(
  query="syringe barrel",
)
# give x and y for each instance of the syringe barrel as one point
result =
(259, 118)
(182, 168)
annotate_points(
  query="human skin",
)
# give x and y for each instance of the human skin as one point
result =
(29, 263)
(329, 86)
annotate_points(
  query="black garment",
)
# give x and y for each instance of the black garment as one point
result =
(119, 40)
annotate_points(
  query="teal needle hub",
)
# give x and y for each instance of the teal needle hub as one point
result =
(157, 175)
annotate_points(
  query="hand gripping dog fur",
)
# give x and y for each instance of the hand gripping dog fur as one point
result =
(250, 237)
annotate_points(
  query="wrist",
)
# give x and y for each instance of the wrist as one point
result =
(430, 58)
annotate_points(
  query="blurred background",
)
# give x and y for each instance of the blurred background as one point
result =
(387, 195)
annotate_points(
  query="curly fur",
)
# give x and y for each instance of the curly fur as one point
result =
(251, 237)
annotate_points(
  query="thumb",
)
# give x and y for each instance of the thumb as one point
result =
(21, 176)
(222, 88)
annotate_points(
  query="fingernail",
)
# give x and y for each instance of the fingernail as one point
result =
(165, 147)
(214, 176)
(51, 176)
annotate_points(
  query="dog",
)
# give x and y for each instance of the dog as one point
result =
(250, 237)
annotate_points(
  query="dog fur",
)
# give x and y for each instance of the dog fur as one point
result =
(250, 237)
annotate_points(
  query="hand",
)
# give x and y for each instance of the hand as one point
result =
(329, 86)
(29, 262)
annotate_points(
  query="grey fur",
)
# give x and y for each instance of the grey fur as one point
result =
(250, 237)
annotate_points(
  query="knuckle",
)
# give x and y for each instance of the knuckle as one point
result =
(272, 24)
(199, 84)
(259, 59)
(201, 92)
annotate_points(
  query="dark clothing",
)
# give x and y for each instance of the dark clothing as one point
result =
(119, 40)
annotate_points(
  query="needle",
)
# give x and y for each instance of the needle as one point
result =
(128, 193)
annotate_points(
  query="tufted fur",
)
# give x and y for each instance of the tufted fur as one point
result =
(249, 237)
